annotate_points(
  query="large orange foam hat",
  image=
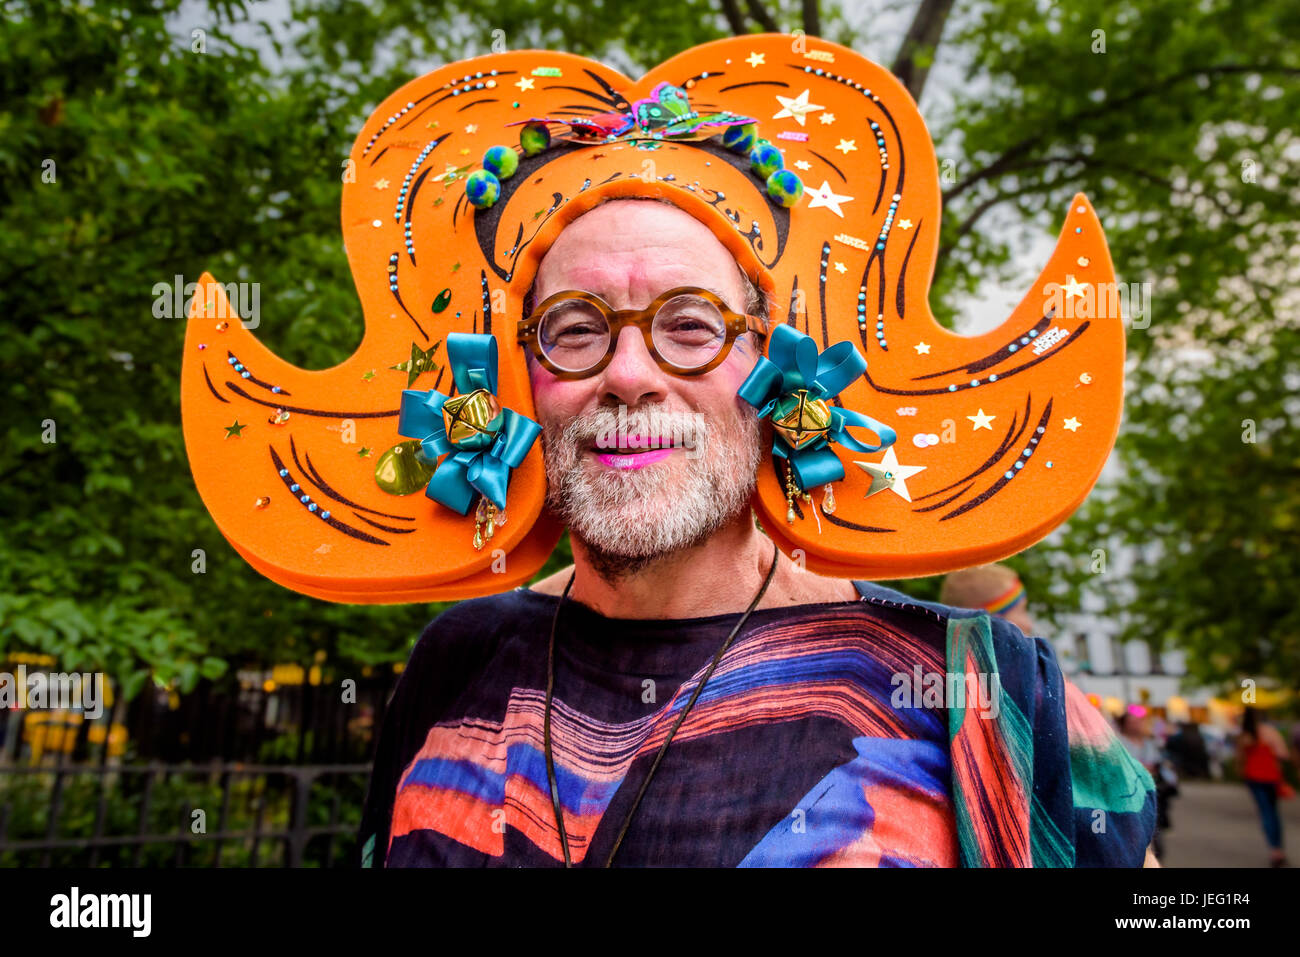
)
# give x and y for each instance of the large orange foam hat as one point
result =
(813, 167)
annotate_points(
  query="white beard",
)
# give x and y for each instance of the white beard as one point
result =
(628, 518)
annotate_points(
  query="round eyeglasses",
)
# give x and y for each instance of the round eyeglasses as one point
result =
(687, 330)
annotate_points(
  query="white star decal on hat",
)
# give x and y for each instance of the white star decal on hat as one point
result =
(797, 107)
(981, 420)
(754, 59)
(823, 196)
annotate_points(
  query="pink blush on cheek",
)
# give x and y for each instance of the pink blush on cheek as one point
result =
(552, 396)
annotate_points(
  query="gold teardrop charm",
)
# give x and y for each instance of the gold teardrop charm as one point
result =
(828, 503)
(400, 471)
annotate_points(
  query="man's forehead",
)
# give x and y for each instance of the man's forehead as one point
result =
(610, 287)
(616, 277)
(637, 229)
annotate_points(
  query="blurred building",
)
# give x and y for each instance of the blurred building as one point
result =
(1120, 674)
(1100, 665)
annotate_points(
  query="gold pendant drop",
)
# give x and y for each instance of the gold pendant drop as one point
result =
(789, 496)
(791, 493)
(486, 519)
(828, 502)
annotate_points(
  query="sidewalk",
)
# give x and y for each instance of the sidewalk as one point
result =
(1217, 825)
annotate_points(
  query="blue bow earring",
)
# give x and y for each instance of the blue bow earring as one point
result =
(482, 441)
(793, 386)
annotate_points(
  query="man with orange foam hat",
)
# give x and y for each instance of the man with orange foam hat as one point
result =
(685, 319)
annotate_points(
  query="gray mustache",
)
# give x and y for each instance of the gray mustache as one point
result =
(637, 429)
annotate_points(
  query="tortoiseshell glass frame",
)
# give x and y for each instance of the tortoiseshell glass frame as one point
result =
(737, 324)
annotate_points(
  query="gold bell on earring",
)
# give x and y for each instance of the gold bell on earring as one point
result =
(800, 419)
(472, 420)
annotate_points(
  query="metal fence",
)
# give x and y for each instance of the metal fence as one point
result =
(246, 717)
(155, 814)
(260, 769)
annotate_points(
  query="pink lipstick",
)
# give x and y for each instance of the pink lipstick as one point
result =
(632, 460)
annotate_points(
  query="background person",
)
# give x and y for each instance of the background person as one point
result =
(1137, 736)
(996, 589)
(1260, 753)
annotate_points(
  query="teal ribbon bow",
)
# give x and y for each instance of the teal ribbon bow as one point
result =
(466, 471)
(793, 363)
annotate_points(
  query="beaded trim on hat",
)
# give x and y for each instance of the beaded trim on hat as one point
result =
(665, 114)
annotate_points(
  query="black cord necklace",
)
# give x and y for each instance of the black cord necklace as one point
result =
(550, 692)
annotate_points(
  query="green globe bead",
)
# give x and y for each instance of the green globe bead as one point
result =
(534, 137)
(765, 159)
(785, 187)
(740, 139)
(501, 161)
(482, 189)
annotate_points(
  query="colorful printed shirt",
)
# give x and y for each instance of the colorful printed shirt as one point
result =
(882, 732)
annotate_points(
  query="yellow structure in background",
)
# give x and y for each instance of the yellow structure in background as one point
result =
(49, 732)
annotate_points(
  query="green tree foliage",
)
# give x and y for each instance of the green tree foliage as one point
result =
(1178, 120)
(166, 162)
